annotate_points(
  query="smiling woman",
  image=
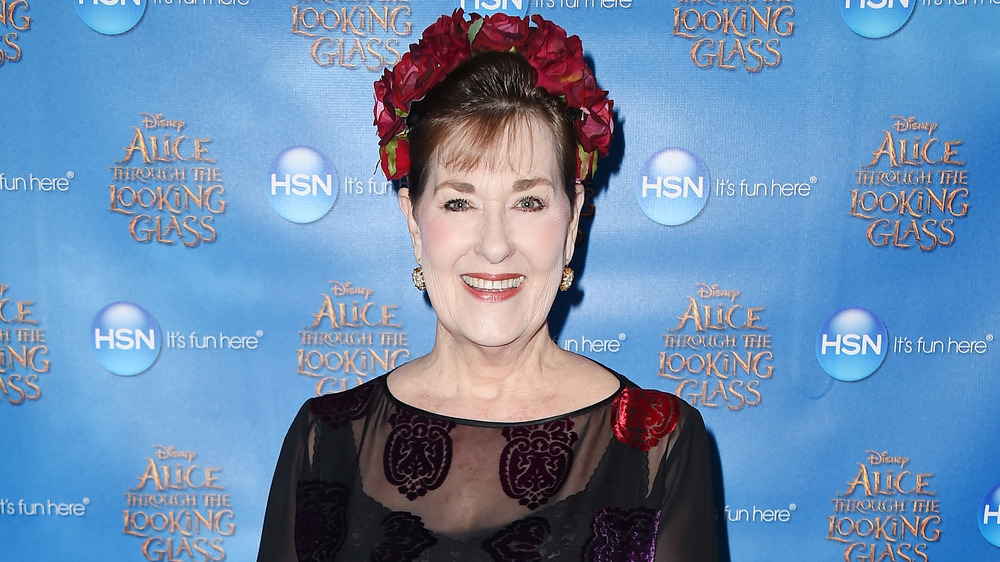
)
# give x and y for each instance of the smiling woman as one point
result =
(498, 444)
(493, 240)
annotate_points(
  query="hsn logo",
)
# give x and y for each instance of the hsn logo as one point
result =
(475, 5)
(302, 185)
(852, 344)
(989, 517)
(126, 338)
(672, 187)
(110, 17)
(876, 18)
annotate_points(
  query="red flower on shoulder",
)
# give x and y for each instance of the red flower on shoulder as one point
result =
(640, 418)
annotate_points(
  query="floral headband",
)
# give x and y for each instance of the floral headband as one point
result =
(557, 59)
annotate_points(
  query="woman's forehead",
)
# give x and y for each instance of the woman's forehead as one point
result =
(518, 145)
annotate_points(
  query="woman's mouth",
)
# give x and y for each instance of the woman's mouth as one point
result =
(493, 287)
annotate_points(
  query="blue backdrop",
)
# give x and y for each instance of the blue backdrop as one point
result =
(794, 232)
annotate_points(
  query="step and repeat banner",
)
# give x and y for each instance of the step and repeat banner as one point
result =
(796, 232)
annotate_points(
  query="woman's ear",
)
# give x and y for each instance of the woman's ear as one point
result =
(406, 206)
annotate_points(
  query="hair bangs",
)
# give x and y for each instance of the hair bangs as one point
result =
(496, 142)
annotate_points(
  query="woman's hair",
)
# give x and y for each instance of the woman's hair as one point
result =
(477, 109)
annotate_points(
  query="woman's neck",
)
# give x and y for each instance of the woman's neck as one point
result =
(522, 381)
(475, 370)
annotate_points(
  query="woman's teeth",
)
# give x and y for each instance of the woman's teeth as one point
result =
(491, 285)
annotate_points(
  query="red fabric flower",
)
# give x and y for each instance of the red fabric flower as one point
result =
(499, 32)
(595, 129)
(402, 158)
(387, 120)
(447, 41)
(410, 77)
(557, 59)
(642, 417)
(395, 158)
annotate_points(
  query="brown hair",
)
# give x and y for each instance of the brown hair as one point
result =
(477, 107)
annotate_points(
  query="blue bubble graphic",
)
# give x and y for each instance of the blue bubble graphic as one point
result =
(852, 344)
(989, 517)
(674, 187)
(110, 17)
(302, 184)
(876, 18)
(125, 338)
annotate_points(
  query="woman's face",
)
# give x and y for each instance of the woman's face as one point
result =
(493, 240)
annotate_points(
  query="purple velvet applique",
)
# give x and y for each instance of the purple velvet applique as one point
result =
(619, 535)
(537, 460)
(341, 408)
(417, 453)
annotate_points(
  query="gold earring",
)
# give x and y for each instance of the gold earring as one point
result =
(567, 280)
(418, 278)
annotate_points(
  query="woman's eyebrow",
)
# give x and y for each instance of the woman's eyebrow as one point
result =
(528, 183)
(460, 186)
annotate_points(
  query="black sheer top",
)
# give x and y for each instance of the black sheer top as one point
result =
(362, 476)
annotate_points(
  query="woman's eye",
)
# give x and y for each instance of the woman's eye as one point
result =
(530, 204)
(457, 205)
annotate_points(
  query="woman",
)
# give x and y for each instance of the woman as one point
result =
(497, 445)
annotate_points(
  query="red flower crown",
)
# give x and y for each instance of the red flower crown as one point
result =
(557, 59)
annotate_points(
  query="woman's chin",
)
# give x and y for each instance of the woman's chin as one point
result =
(496, 335)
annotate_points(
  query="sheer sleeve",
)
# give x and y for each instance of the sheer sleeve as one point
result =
(277, 541)
(686, 530)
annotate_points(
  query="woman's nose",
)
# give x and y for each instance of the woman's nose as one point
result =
(495, 244)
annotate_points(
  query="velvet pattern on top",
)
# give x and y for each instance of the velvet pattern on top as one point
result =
(363, 476)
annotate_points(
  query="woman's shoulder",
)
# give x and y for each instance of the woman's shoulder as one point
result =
(654, 397)
(642, 417)
(340, 408)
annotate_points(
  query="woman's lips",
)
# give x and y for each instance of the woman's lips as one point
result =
(491, 287)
